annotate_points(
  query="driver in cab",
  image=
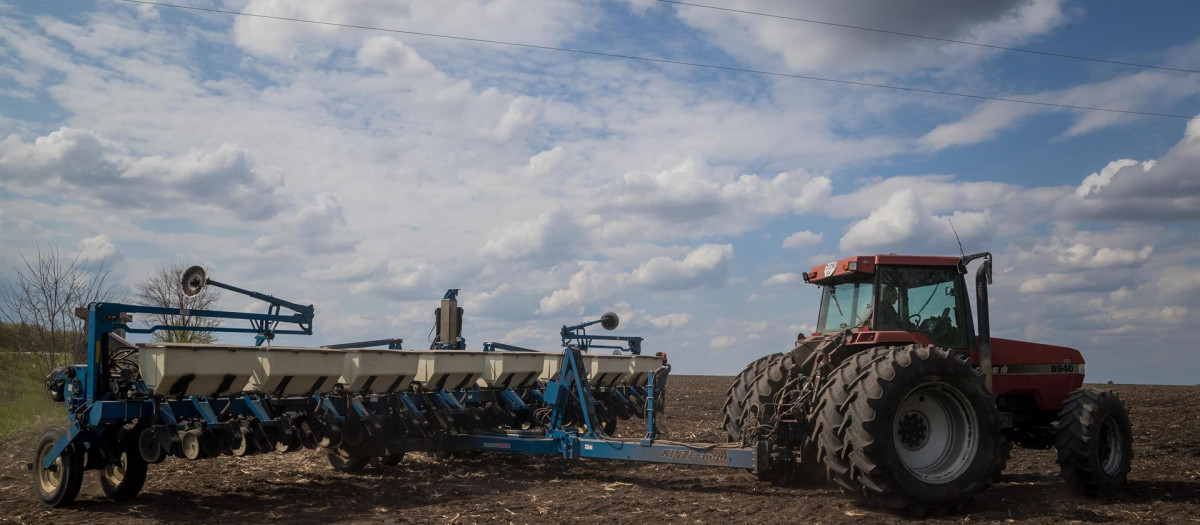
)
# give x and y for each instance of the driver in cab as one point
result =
(886, 317)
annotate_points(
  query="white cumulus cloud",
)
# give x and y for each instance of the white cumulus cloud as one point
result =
(707, 265)
(803, 239)
(904, 222)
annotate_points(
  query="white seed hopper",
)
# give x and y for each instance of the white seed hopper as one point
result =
(185, 369)
(550, 366)
(450, 369)
(606, 370)
(640, 368)
(512, 369)
(380, 371)
(294, 370)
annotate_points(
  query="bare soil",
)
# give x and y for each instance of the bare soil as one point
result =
(301, 488)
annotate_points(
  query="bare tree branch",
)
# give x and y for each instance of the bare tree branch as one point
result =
(40, 304)
(163, 288)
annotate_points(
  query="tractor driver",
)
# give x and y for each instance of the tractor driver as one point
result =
(886, 317)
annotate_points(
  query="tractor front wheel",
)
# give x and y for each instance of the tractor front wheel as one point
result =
(1095, 441)
(911, 429)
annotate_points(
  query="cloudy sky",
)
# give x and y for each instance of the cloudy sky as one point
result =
(367, 171)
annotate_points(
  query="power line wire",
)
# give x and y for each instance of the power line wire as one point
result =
(664, 61)
(927, 37)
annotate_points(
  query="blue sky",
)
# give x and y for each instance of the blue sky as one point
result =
(366, 172)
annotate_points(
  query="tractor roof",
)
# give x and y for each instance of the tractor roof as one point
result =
(865, 265)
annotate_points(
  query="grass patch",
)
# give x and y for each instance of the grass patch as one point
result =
(24, 403)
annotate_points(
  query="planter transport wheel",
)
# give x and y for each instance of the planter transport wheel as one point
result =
(58, 484)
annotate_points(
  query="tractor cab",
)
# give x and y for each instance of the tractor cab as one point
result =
(925, 296)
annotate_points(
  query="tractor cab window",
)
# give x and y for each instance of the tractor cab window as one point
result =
(845, 305)
(927, 300)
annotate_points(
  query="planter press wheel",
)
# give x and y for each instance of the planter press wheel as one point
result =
(343, 461)
(388, 460)
(242, 444)
(124, 478)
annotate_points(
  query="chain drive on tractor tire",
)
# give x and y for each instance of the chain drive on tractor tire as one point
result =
(735, 397)
(770, 415)
(772, 400)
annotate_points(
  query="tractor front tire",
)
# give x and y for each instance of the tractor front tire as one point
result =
(911, 429)
(1095, 441)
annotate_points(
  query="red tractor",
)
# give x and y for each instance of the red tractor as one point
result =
(901, 402)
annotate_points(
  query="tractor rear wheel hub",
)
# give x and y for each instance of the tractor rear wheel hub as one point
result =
(913, 430)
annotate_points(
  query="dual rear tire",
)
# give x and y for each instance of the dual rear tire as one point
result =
(911, 429)
(738, 394)
(753, 407)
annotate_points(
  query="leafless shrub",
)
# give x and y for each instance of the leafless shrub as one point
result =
(40, 304)
(162, 288)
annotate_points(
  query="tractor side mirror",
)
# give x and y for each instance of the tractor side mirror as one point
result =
(950, 291)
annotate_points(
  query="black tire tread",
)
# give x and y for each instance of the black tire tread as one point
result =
(762, 403)
(135, 478)
(73, 464)
(1078, 425)
(736, 396)
(347, 463)
(762, 398)
(388, 460)
(846, 438)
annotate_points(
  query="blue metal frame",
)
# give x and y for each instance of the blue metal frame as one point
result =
(96, 406)
(433, 417)
(577, 336)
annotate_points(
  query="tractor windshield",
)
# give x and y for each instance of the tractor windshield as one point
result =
(845, 305)
(900, 298)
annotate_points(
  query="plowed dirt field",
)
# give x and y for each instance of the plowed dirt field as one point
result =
(301, 488)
